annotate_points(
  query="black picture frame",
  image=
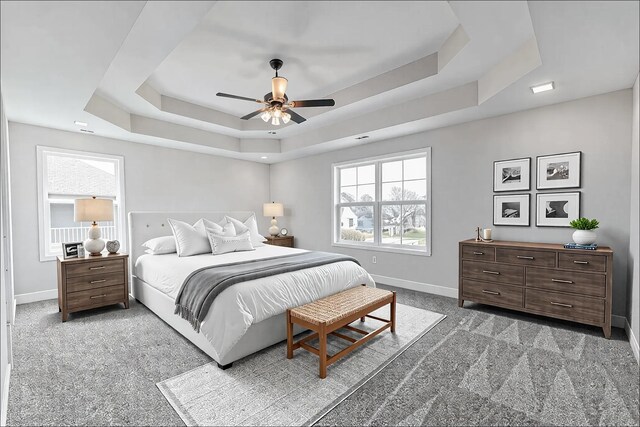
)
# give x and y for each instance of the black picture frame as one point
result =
(544, 183)
(557, 222)
(72, 250)
(525, 173)
(524, 218)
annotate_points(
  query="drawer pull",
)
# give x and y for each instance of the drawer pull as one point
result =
(580, 262)
(562, 281)
(98, 296)
(484, 291)
(491, 272)
(98, 281)
(560, 304)
(97, 268)
(524, 257)
(478, 253)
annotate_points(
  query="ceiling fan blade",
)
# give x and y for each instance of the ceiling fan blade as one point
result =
(243, 98)
(313, 103)
(255, 113)
(295, 116)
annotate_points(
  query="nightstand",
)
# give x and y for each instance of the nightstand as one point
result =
(280, 241)
(92, 281)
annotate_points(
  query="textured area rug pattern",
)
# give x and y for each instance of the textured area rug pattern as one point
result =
(269, 389)
(538, 374)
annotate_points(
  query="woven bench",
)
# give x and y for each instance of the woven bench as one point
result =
(325, 316)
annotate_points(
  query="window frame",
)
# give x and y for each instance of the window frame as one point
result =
(44, 219)
(378, 203)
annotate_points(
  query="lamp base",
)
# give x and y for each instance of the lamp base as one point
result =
(94, 244)
(274, 230)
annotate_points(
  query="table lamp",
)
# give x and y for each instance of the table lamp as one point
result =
(273, 210)
(93, 210)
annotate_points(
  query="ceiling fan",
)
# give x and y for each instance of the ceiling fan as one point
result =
(276, 103)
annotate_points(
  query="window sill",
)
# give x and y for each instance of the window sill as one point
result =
(374, 248)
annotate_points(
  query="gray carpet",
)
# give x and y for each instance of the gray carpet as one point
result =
(101, 368)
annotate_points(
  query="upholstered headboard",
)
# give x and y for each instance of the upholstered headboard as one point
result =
(147, 225)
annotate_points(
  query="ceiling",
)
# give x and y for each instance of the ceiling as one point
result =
(148, 72)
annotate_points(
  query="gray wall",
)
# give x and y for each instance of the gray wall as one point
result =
(155, 179)
(462, 188)
(633, 301)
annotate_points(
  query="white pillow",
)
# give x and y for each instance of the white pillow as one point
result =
(223, 228)
(224, 244)
(251, 225)
(190, 239)
(160, 245)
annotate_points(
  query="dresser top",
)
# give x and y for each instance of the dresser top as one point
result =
(531, 245)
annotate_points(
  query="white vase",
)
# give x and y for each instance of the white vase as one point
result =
(584, 237)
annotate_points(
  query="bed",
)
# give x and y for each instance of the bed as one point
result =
(244, 318)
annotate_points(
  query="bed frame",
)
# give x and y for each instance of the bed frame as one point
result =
(147, 225)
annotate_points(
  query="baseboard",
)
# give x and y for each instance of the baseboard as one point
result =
(5, 397)
(416, 286)
(13, 312)
(633, 341)
(36, 296)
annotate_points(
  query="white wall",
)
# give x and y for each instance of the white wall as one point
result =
(462, 167)
(633, 300)
(155, 179)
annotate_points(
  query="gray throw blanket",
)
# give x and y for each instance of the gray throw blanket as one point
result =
(202, 286)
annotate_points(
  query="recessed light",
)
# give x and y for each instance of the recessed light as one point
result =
(542, 88)
(86, 130)
(264, 157)
(80, 123)
(362, 137)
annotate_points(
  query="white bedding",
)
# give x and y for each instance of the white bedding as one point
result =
(244, 304)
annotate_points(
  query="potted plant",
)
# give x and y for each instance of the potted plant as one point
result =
(584, 234)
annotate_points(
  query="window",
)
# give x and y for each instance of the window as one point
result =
(383, 203)
(65, 175)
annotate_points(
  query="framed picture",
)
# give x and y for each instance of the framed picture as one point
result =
(512, 175)
(512, 209)
(559, 171)
(72, 250)
(557, 209)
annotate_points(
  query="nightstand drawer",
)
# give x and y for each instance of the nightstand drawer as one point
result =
(100, 267)
(96, 297)
(499, 273)
(102, 280)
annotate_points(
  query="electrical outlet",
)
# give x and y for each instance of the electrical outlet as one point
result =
(373, 259)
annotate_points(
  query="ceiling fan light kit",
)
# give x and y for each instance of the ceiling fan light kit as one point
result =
(277, 105)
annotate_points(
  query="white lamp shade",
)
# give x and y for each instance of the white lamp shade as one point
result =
(273, 209)
(278, 87)
(93, 210)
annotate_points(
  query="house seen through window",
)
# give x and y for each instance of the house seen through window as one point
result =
(383, 203)
(66, 176)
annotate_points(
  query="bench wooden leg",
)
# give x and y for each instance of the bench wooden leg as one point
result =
(322, 337)
(393, 313)
(289, 336)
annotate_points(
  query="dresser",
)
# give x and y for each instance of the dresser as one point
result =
(539, 278)
(280, 241)
(92, 281)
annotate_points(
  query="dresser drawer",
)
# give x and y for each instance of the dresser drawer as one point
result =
(93, 281)
(478, 252)
(526, 257)
(96, 297)
(95, 267)
(580, 262)
(492, 293)
(567, 281)
(570, 307)
(499, 273)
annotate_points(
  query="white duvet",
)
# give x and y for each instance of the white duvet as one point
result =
(243, 304)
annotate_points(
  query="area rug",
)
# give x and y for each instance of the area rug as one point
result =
(268, 389)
